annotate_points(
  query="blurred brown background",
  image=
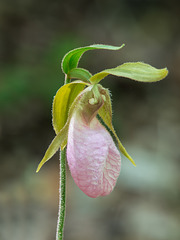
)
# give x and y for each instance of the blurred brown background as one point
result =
(34, 36)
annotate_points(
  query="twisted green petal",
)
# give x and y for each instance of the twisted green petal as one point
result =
(138, 71)
(105, 112)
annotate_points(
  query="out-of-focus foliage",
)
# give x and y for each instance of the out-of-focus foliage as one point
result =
(40, 80)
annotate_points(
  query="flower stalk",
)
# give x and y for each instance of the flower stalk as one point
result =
(62, 188)
(62, 196)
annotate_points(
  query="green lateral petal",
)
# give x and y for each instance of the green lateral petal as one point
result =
(105, 112)
(60, 140)
(80, 73)
(62, 102)
(53, 147)
(138, 71)
(72, 58)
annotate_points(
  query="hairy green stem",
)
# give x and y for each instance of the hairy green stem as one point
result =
(62, 196)
(62, 188)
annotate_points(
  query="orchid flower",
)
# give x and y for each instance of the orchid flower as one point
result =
(82, 120)
(92, 155)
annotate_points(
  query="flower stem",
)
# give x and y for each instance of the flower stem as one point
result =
(62, 188)
(67, 79)
(62, 196)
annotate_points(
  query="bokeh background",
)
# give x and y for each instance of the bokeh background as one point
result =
(34, 36)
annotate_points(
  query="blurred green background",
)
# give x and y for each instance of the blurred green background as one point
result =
(34, 36)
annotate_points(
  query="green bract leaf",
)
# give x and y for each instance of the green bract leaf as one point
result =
(80, 73)
(105, 112)
(138, 71)
(63, 101)
(72, 58)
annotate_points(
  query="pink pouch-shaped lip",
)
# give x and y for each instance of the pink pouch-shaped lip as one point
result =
(92, 156)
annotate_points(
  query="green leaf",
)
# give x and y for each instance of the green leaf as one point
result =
(138, 71)
(63, 101)
(72, 58)
(105, 112)
(80, 73)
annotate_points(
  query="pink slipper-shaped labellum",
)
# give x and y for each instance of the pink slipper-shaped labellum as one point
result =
(93, 158)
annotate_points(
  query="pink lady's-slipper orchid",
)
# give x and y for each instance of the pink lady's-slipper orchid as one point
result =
(93, 158)
(92, 155)
(82, 120)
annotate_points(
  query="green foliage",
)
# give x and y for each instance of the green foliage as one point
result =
(72, 58)
(105, 113)
(21, 82)
(80, 73)
(62, 102)
(138, 71)
(14, 87)
(69, 97)
(60, 139)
